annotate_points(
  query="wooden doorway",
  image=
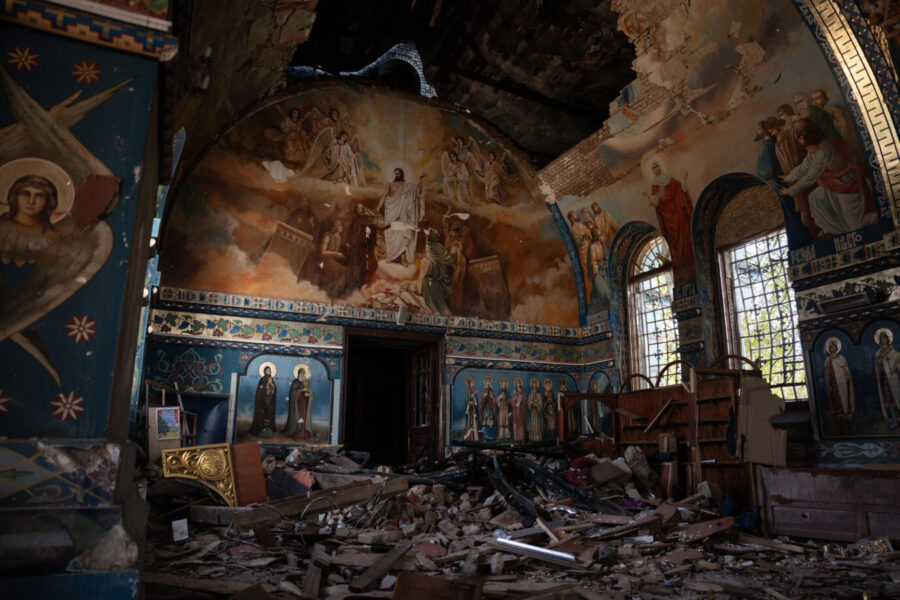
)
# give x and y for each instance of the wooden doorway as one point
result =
(392, 397)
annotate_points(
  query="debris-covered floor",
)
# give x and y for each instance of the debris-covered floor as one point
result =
(488, 524)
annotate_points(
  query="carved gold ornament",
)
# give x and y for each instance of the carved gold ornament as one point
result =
(210, 465)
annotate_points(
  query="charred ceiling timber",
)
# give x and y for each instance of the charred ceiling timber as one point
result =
(596, 118)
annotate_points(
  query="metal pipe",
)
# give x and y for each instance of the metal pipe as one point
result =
(537, 552)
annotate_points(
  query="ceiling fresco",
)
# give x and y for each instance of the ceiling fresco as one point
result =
(375, 198)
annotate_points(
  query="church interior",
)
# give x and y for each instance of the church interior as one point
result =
(238, 237)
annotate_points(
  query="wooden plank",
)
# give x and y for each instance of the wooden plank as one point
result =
(415, 586)
(547, 529)
(616, 531)
(312, 580)
(696, 531)
(215, 586)
(370, 576)
(318, 502)
(658, 416)
(213, 515)
(627, 413)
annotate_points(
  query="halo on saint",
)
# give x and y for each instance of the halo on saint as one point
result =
(831, 340)
(45, 169)
(271, 365)
(887, 332)
(301, 367)
(647, 165)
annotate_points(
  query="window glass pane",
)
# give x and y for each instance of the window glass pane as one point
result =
(763, 312)
(654, 330)
(654, 255)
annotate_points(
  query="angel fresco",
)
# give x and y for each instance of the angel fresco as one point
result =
(341, 156)
(456, 179)
(495, 175)
(469, 155)
(52, 236)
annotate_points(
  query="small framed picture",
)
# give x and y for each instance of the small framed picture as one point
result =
(168, 423)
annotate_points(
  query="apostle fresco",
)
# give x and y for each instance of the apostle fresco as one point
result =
(840, 197)
(471, 410)
(535, 407)
(263, 425)
(887, 372)
(300, 402)
(517, 406)
(488, 409)
(838, 382)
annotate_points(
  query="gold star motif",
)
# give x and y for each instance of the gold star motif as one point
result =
(24, 59)
(86, 71)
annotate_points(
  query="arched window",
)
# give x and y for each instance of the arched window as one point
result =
(761, 318)
(653, 331)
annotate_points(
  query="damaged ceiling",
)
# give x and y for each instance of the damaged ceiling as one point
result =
(542, 73)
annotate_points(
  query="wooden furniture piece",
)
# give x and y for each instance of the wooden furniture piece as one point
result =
(701, 415)
(832, 504)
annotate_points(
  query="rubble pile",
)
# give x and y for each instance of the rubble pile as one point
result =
(492, 524)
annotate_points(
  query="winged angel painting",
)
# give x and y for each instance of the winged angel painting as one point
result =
(52, 236)
(366, 197)
(465, 162)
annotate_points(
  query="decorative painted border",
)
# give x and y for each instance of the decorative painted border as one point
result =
(525, 351)
(33, 474)
(840, 260)
(374, 317)
(809, 327)
(854, 453)
(249, 347)
(863, 93)
(452, 368)
(884, 74)
(88, 28)
(574, 261)
(854, 270)
(886, 283)
(167, 323)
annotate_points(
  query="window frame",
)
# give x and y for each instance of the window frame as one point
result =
(632, 281)
(731, 326)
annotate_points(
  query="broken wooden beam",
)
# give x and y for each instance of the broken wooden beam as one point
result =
(370, 576)
(216, 586)
(658, 416)
(318, 502)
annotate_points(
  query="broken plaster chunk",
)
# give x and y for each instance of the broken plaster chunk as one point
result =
(448, 528)
(114, 551)
(497, 564)
(372, 538)
(472, 529)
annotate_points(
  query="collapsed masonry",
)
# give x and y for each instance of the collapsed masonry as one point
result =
(547, 523)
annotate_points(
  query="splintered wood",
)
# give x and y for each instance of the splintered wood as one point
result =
(493, 525)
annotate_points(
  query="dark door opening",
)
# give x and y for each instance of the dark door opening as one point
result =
(391, 399)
